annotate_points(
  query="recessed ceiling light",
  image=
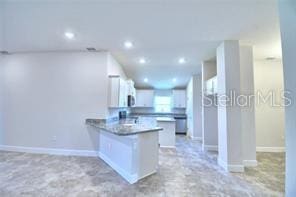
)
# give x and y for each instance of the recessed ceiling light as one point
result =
(142, 60)
(69, 35)
(145, 80)
(128, 44)
(182, 60)
(174, 79)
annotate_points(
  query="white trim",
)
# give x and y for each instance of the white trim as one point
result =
(236, 168)
(167, 146)
(210, 148)
(222, 163)
(196, 138)
(250, 163)
(149, 174)
(51, 151)
(230, 168)
(131, 178)
(271, 149)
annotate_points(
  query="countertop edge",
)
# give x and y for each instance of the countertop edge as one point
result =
(155, 129)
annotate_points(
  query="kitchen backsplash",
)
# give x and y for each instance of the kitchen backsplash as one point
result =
(151, 110)
(113, 112)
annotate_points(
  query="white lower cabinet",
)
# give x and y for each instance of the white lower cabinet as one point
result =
(167, 136)
(133, 156)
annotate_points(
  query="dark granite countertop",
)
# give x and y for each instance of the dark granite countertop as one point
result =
(126, 126)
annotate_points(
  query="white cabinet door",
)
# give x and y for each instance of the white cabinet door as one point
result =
(211, 86)
(117, 92)
(144, 98)
(215, 84)
(113, 92)
(179, 98)
(122, 93)
(167, 136)
(131, 88)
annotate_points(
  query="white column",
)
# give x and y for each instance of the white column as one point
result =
(194, 105)
(229, 116)
(248, 111)
(288, 28)
(1, 99)
(197, 104)
(209, 109)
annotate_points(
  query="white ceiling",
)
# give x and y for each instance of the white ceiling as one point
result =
(161, 30)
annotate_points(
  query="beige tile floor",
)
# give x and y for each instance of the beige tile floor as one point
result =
(185, 171)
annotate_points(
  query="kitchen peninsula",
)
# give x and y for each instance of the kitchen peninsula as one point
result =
(129, 146)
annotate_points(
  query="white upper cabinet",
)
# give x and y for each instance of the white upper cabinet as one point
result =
(215, 85)
(211, 86)
(117, 92)
(179, 98)
(144, 98)
(131, 88)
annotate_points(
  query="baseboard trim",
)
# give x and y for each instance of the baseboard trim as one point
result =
(231, 168)
(167, 146)
(210, 148)
(131, 178)
(196, 138)
(250, 163)
(271, 149)
(236, 168)
(149, 174)
(50, 151)
(222, 163)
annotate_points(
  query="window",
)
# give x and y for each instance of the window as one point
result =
(162, 104)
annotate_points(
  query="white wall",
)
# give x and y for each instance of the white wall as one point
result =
(194, 107)
(1, 25)
(49, 95)
(114, 68)
(189, 108)
(209, 113)
(270, 126)
(288, 28)
(1, 99)
(248, 111)
(229, 116)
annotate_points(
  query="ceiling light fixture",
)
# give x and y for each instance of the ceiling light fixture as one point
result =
(69, 35)
(174, 79)
(145, 80)
(128, 44)
(182, 60)
(142, 60)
